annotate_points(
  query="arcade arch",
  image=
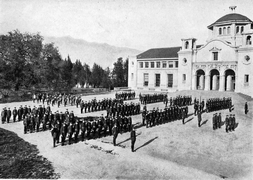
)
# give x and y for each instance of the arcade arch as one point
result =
(229, 80)
(200, 79)
(214, 79)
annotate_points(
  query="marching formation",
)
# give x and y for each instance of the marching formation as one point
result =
(215, 104)
(125, 95)
(57, 99)
(230, 122)
(179, 101)
(156, 116)
(94, 105)
(67, 130)
(124, 109)
(152, 98)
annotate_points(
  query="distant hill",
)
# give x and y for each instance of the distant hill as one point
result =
(89, 52)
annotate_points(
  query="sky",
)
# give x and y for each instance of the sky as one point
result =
(137, 24)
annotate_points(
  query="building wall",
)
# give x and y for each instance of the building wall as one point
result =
(245, 68)
(132, 72)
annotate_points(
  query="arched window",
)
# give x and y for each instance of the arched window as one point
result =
(224, 30)
(248, 40)
(186, 45)
(242, 29)
(220, 31)
(237, 29)
(228, 30)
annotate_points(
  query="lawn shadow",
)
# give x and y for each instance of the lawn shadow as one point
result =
(146, 143)
(127, 139)
(138, 125)
(188, 120)
(204, 122)
(236, 125)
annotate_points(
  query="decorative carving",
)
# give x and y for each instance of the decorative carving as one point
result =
(215, 49)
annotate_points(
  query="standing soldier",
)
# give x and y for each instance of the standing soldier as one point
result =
(246, 108)
(227, 123)
(199, 118)
(214, 121)
(14, 113)
(77, 129)
(63, 133)
(115, 133)
(219, 120)
(183, 115)
(25, 124)
(70, 132)
(8, 115)
(133, 138)
(54, 135)
(3, 116)
(83, 129)
(88, 129)
(233, 122)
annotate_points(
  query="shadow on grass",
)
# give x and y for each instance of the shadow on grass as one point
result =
(146, 143)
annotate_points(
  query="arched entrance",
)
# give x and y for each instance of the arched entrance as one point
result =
(229, 80)
(214, 79)
(200, 79)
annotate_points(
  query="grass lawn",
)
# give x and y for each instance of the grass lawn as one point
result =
(20, 159)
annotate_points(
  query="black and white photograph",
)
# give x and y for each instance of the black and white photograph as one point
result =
(126, 89)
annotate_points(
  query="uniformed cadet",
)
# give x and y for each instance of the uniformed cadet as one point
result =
(8, 115)
(77, 129)
(3, 117)
(214, 121)
(14, 113)
(83, 129)
(54, 135)
(199, 118)
(227, 123)
(70, 132)
(133, 138)
(219, 121)
(233, 122)
(246, 108)
(25, 124)
(115, 133)
(183, 115)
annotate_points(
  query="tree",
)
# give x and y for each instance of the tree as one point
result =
(120, 73)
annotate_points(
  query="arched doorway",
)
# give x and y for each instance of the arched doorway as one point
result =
(200, 79)
(229, 80)
(214, 79)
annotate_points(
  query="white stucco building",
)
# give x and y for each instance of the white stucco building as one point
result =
(224, 63)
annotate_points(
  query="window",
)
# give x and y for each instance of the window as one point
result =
(242, 29)
(146, 64)
(132, 76)
(132, 63)
(157, 80)
(176, 64)
(237, 29)
(141, 64)
(220, 31)
(248, 40)
(152, 64)
(251, 27)
(228, 30)
(246, 78)
(215, 56)
(170, 80)
(224, 30)
(164, 64)
(170, 64)
(158, 64)
(184, 78)
(145, 77)
(186, 45)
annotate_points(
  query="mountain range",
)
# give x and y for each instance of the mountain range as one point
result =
(90, 52)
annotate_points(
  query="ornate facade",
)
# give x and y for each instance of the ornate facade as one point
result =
(224, 63)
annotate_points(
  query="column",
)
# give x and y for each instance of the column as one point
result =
(201, 82)
(214, 82)
(194, 81)
(229, 82)
(207, 83)
(222, 83)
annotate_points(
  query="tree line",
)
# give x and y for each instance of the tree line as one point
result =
(28, 63)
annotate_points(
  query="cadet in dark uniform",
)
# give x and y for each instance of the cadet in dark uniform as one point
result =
(115, 133)
(14, 113)
(54, 134)
(227, 123)
(8, 115)
(199, 117)
(246, 108)
(133, 138)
